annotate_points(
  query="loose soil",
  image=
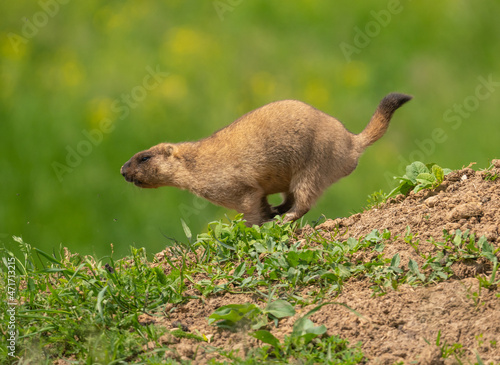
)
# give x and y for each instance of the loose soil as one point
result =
(403, 325)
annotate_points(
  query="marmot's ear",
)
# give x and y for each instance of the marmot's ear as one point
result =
(167, 149)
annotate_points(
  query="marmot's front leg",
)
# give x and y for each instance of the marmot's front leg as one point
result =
(256, 209)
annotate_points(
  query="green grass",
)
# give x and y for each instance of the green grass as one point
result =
(87, 308)
(488, 175)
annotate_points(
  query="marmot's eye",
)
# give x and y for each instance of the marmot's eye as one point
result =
(145, 158)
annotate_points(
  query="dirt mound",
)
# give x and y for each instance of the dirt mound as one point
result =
(466, 200)
(437, 323)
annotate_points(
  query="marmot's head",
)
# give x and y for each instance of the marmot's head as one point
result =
(152, 168)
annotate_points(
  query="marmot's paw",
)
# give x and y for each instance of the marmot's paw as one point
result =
(290, 217)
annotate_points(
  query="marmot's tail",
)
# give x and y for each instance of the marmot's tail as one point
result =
(380, 120)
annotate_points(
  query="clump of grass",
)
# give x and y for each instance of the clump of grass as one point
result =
(488, 174)
(85, 308)
(307, 343)
(375, 200)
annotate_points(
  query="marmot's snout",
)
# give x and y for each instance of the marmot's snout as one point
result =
(135, 176)
(125, 171)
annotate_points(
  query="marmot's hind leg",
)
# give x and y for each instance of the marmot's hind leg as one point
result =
(305, 193)
(288, 201)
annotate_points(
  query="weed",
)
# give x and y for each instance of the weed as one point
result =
(237, 317)
(386, 276)
(306, 344)
(419, 176)
(375, 200)
(448, 350)
(464, 246)
(409, 239)
(488, 175)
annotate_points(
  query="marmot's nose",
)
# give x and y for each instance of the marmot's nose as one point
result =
(124, 167)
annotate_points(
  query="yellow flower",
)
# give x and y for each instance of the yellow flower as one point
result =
(174, 88)
(100, 109)
(316, 93)
(186, 41)
(263, 84)
(72, 73)
(355, 74)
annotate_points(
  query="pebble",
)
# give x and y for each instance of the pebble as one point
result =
(432, 201)
(464, 211)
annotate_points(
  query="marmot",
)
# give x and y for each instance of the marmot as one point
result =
(286, 147)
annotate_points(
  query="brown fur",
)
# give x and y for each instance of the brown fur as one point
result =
(285, 147)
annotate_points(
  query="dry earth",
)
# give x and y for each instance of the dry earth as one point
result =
(403, 325)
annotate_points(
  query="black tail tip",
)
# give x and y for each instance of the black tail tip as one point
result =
(394, 101)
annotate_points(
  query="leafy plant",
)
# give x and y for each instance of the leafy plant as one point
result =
(386, 276)
(419, 176)
(236, 317)
(375, 199)
(409, 239)
(307, 343)
(488, 174)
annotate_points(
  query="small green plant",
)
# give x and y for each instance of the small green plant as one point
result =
(376, 199)
(409, 239)
(475, 296)
(448, 350)
(236, 317)
(490, 283)
(419, 176)
(306, 344)
(386, 276)
(489, 175)
(417, 275)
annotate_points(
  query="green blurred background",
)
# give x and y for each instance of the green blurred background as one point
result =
(76, 100)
